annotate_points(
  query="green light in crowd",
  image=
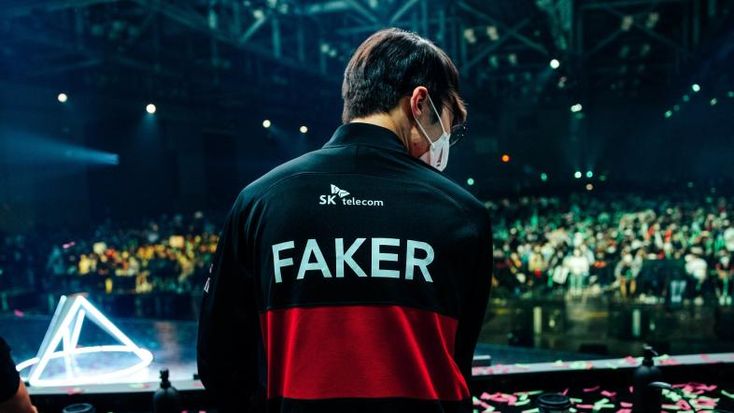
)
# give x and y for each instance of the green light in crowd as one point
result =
(577, 175)
(470, 181)
(544, 177)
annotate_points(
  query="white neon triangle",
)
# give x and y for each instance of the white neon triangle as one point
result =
(334, 189)
(65, 329)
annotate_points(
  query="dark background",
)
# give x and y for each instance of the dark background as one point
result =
(216, 69)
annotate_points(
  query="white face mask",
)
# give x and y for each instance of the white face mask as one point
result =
(438, 153)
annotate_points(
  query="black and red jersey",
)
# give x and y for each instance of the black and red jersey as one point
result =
(353, 278)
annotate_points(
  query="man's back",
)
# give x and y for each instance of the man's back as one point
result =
(369, 272)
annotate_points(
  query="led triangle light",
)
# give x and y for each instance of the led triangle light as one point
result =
(64, 330)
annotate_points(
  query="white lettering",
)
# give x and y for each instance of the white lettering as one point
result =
(417, 254)
(360, 202)
(411, 261)
(279, 263)
(378, 256)
(312, 248)
(346, 257)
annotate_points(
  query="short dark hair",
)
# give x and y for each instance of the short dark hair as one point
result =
(389, 65)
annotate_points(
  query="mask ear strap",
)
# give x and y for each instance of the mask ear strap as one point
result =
(430, 142)
(437, 114)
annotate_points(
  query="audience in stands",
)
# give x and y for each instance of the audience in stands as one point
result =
(651, 249)
(648, 248)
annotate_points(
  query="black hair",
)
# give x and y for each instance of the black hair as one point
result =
(389, 65)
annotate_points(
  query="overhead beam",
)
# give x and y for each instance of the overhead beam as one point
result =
(649, 32)
(402, 10)
(466, 67)
(326, 7)
(603, 43)
(189, 18)
(363, 11)
(624, 3)
(26, 7)
(254, 27)
(507, 30)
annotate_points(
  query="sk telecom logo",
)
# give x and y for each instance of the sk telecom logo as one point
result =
(339, 196)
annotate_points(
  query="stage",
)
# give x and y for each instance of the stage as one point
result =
(515, 331)
(502, 373)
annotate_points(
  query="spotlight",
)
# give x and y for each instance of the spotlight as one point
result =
(493, 33)
(62, 97)
(470, 181)
(150, 108)
(303, 129)
(555, 64)
(577, 175)
(589, 174)
(696, 87)
(589, 187)
(576, 108)
(505, 158)
(266, 123)
(544, 177)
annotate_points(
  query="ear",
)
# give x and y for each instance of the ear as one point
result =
(419, 100)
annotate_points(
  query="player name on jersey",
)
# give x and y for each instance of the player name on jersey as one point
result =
(418, 256)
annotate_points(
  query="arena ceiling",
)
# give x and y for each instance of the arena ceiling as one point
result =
(230, 51)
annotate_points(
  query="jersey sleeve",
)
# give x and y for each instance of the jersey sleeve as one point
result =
(229, 338)
(476, 299)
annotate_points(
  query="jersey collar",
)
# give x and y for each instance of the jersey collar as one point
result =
(366, 134)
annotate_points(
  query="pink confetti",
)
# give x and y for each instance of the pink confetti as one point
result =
(74, 390)
(610, 394)
(591, 389)
(630, 360)
(18, 313)
(584, 406)
(501, 368)
(565, 392)
(706, 402)
(501, 398)
(683, 405)
(626, 405)
(669, 362)
(624, 411)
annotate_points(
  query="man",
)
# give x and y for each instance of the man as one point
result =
(13, 394)
(355, 277)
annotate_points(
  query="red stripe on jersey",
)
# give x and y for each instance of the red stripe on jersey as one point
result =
(361, 351)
